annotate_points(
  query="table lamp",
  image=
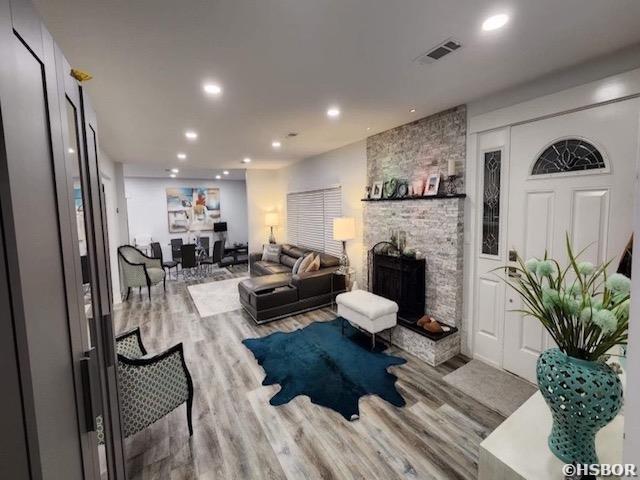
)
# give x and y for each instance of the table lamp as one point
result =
(344, 228)
(271, 220)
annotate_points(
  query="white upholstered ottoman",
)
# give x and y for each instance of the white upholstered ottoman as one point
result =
(372, 313)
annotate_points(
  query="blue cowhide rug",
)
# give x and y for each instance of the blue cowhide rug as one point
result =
(332, 370)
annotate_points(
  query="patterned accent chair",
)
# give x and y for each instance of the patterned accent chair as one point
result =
(150, 386)
(139, 270)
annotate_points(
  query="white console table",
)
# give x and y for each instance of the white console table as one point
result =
(517, 449)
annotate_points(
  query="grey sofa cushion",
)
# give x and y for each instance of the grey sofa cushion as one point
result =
(296, 266)
(288, 261)
(293, 251)
(271, 253)
(278, 269)
(268, 268)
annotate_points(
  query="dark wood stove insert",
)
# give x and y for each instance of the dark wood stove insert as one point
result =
(401, 279)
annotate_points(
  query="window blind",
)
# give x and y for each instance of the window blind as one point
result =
(310, 219)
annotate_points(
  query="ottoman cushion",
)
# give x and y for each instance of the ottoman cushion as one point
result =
(367, 303)
(367, 310)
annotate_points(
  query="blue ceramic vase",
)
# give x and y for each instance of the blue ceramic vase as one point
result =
(583, 396)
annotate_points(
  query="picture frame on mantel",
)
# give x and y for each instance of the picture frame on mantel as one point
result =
(433, 185)
(376, 190)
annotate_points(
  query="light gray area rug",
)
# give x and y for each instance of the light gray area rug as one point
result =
(216, 297)
(496, 389)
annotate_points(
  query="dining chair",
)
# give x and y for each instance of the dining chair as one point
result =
(86, 274)
(156, 252)
(189, 260)
(176, 243)
(204, 244)
(206, 260)
(219, 257)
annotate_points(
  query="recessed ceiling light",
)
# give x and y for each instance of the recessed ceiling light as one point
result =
(412, 110)
(212, 89)
(175, 170)
(368, 128)
(333, 112)
(173, 175)
(191, 135)
(218, 177)
(71, 151)
(182, 156)
(226, 172)
(276, 144)
(495, 22)
(246, 160)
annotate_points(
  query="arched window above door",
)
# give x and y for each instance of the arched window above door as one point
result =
(568, 155)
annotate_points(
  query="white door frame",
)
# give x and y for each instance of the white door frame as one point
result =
(632, 393)
(608, 90)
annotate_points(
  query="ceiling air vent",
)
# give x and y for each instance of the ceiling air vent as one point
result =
(439, 51)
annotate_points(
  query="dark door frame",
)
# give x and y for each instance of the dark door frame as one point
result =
(103, 318)
(45, 421)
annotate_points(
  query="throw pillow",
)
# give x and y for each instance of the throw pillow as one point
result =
(271, 253)
(296, 265)
(314, 266)
(306, 261)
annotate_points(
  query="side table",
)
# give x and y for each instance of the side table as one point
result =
(347, 282)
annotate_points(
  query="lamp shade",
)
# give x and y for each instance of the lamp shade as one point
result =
(271, 219)
(344, 228)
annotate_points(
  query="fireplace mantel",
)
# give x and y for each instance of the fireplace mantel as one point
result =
(430, 197)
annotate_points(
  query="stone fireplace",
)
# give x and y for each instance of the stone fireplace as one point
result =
(433, 226)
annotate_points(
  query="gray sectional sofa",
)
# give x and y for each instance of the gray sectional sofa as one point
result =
(273, 291)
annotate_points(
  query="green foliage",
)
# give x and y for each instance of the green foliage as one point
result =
(584, 311)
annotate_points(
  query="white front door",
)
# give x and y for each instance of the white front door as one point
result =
(493, 167)
(593, 206)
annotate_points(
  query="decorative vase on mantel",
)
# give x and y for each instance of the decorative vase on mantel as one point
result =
(586, 312)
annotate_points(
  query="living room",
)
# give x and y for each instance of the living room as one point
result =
(411, 259)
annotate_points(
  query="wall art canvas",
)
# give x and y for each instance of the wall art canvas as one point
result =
(206, 208)
(192, 209)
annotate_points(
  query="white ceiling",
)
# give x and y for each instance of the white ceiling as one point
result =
(281, 63)
(146, 170)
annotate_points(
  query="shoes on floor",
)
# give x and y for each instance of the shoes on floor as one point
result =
(430, 325)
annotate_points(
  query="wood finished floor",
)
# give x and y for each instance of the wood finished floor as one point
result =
(238, 435)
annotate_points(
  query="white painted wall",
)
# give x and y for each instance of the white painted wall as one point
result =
(109, 172)
(611, 64)
(147, 208)
(264, 194)
(121, 206)
(267, 191)
(346, 167)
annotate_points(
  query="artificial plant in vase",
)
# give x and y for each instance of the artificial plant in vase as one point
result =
(586, 312)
